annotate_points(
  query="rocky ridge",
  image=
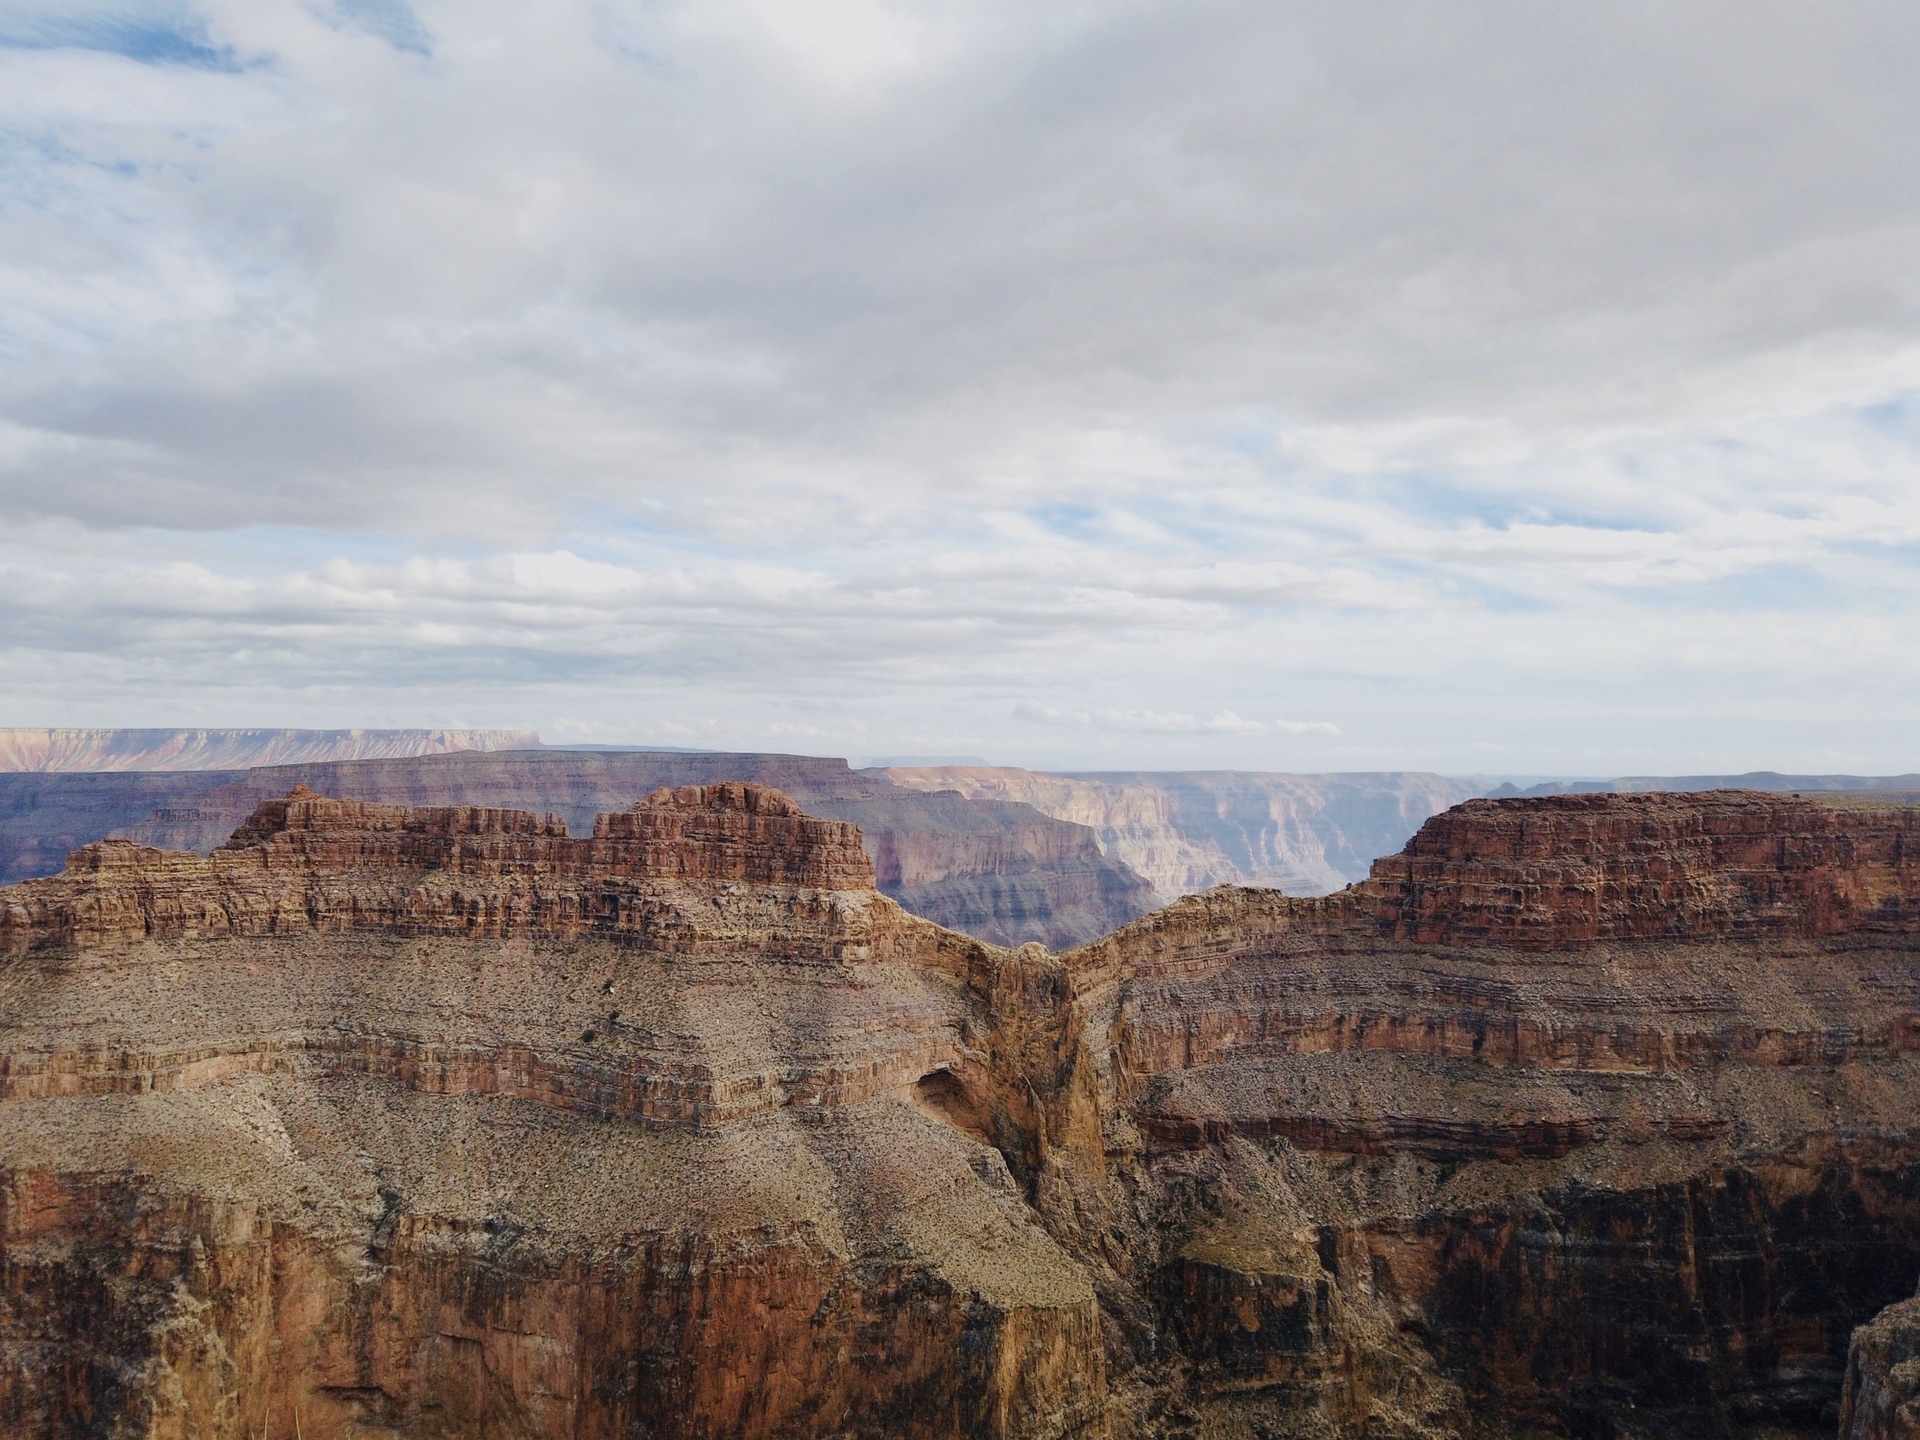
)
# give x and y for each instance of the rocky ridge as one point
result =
(1586, 1116)
(1001, 871)
(384, 1120)
(311, 863)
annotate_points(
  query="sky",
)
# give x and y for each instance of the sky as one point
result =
(1497, 389)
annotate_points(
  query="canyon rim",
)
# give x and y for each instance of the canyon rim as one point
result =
(1588, 1115)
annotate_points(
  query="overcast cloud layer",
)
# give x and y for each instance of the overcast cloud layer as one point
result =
(1508, 388)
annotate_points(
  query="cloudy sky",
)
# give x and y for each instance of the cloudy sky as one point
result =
(1495, 388)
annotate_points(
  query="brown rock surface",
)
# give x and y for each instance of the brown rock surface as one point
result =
(1003, 872)
(1594, 1116)
(379, 1121)
(649, 875)
(1722, 864)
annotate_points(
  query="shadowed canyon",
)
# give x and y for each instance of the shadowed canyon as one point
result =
(1584, 1115)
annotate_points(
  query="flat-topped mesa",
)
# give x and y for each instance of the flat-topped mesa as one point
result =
(731, 867)
(1717, 865)
(305, 831)
(740, 833)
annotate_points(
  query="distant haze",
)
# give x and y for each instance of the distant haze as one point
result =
(1178, 831)
(45, 749)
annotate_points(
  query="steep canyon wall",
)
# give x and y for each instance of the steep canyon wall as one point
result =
(1586, 1116)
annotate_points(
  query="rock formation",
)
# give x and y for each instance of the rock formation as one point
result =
(1595, 1116)
(1000, 871)
(1718, 865)
(440, 1122)
(1882, 1397)
(307, 863)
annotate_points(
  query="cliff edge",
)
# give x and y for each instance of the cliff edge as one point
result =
(1591, 1116)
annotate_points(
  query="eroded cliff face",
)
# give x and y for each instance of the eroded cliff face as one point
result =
(1882, 1396)
(441, 1123)
(1723, 865)
(1588, 1116)
(1000, 871)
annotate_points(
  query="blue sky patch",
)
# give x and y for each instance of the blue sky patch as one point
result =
(153, 34)
(390, 20)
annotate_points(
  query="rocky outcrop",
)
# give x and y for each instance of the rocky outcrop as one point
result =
(691, 869)
(1882, 1397)
(1187, 831)
(1593, 1116)
(373, 1162)
(41, 750)
(1003, 872)
(1891, 787)
(1719, 865)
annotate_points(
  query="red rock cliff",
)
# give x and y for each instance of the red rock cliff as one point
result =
(1717, 865)
(437, 1122)
(1002, 872)
(1587, 1117)
(308, 862)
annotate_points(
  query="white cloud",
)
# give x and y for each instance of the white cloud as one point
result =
(1151, 365)
(1150, 722)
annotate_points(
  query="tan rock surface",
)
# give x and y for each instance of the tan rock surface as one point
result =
(361, 1119)
(1586, 1116)
(1000, 871)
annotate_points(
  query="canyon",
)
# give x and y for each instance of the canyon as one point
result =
(1588, 1115)
(1008, 855)
(1187, 831)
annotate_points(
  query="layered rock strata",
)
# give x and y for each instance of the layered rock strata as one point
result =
(442, 1123)
(1003, 872)
(647, 875)
(1593, 1116)
(1720, 865)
